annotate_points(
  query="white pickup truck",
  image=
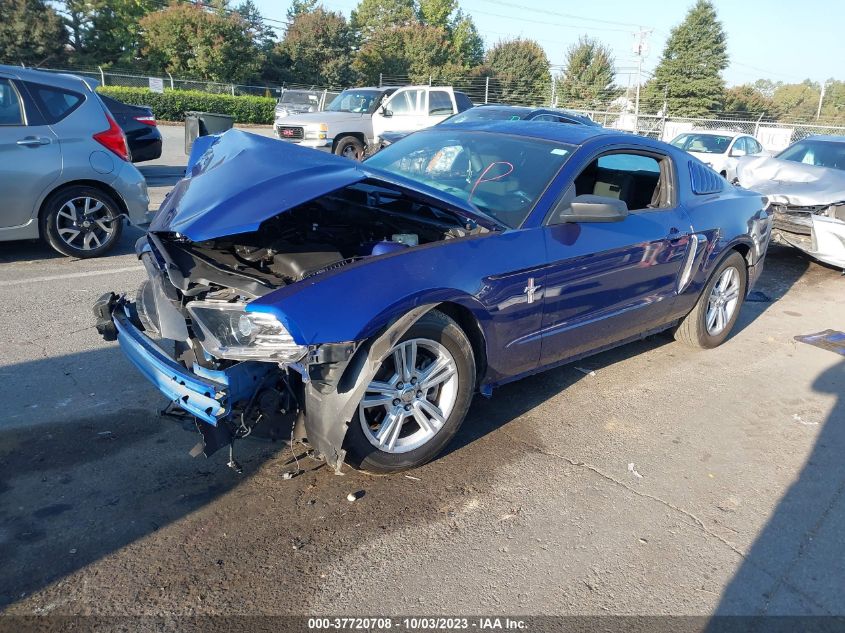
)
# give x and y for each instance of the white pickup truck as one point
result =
(354, 120)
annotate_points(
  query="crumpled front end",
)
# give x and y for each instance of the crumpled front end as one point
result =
(808, 204)
(819, 231)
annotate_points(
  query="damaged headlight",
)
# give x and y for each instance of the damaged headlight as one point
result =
(227, 330)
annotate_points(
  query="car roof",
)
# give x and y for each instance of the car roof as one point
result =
(547, 130)
(826, 138)
(731, 133)
(61, 80)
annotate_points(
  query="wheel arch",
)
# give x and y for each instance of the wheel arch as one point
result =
(469, 323)
(359, 135)
(94, 184)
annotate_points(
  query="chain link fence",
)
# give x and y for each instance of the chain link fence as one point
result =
(773, 135)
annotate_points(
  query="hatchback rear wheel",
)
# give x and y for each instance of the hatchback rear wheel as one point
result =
(81, 222)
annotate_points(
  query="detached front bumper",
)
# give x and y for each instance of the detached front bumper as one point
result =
(207, 394)
(820, 236)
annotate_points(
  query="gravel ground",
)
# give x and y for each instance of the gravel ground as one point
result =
(670, 482)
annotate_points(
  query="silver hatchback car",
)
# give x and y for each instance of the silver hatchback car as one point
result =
(65, 174)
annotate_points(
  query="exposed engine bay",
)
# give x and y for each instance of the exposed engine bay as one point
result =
(319, 236)
(194, 303)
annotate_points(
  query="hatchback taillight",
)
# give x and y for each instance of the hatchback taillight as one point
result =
(113, 139)
(146, 120)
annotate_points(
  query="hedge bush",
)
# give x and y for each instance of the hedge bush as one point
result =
(171, 105)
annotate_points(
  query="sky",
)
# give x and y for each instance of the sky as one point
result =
(781, 40)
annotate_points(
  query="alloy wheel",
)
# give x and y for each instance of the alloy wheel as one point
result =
(411, 396)
(723, 301)
(85, 223)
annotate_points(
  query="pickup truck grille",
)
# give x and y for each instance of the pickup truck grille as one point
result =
(291, 133)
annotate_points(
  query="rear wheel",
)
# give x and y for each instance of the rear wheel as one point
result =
(81, 221)
(417, 399)
(350, 147)
(714, 316)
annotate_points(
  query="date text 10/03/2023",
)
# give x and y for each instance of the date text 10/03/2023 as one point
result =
(416, 623)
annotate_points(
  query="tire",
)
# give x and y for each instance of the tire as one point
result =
(436, 339)
(350, 147)
(698, 329)
(71, 231)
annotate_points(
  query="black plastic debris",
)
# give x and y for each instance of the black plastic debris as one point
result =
(831, 340)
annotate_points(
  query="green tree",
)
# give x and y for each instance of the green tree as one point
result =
(466, 42)
(415, 51)
(587, 80)
(318, 46)
(114, 38)
(188, 40)
(371, 17)
(747, 101)
(797, 101)
(437, 12)
(520, 69)
(260, 33)
(688, 75)
(298, 7)
(31, 33)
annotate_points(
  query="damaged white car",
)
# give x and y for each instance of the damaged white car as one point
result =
(805, 185)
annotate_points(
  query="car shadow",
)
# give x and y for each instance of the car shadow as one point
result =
(783, 267)
(797, 562)
(86, 471)
(37, 250)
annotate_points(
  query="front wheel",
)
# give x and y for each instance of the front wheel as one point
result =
(417, 399)
(715, 314)
(350, 147)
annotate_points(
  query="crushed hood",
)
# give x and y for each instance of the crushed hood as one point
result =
(791, 183)
(236, 181)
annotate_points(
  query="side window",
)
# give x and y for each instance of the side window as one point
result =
(54, 103)
(463, 101)
(405, 102)
(641, 181)
(753, 146)
(740, 148)
(11, 111)
(439, 103)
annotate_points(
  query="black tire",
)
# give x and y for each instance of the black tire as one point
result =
(693, 329)
(364, 455)
(58, 237)
(350, 147)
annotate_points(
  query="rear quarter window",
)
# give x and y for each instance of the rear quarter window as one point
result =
(704, 180)
(54, 103)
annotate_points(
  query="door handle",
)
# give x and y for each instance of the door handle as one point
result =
(34, 141)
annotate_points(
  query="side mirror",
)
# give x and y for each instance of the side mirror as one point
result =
(590, 208)
(386, 112)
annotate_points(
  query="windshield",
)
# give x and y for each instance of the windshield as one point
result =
(501, 174)
(703, 143)
(819, 153)
(298, 98)
(487, 114)
(363, 101)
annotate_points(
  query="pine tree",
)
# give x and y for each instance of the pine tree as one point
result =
(31, 33)
(587, 80)
(688, 75)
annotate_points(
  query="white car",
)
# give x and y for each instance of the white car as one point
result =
(352, 122)
(720, 150)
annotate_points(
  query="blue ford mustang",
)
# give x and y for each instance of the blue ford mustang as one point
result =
(359, 307)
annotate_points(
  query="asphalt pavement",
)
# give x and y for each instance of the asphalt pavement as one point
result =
(651, 479)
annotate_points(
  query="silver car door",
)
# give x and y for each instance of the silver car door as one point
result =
(29, 154)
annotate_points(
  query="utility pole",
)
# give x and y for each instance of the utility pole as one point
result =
(821, 98)
(640, 50)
